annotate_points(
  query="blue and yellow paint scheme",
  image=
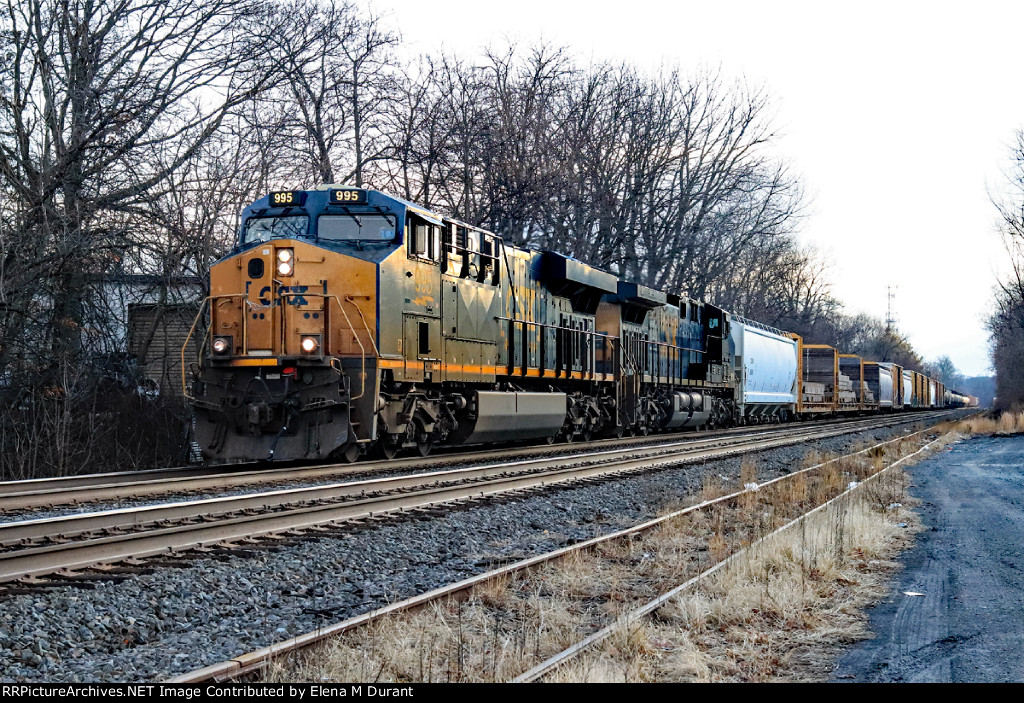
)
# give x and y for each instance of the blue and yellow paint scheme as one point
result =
(347, 319)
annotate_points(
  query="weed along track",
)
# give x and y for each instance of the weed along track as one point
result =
(504, 623)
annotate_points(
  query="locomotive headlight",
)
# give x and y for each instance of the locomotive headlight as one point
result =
(285, 262)
(310, 344)
(221, 345)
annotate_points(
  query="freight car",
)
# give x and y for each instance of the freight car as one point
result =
(765, 361)
(347, 321)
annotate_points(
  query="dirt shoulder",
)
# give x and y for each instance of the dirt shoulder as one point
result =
(968, 565)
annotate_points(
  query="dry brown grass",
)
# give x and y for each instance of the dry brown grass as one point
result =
(713, 487)
(777, 612)
(1006, 423)
(507, 626)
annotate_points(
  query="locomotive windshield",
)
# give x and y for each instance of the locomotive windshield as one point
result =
(354, 227)
(263, 228)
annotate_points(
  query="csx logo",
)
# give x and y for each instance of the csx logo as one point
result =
(290, 294)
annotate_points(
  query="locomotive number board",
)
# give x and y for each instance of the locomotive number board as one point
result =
(287, 198)
(348, 196)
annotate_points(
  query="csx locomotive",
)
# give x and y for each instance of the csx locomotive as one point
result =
(347, 321)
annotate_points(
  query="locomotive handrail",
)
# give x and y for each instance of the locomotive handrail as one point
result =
(184, 346)
(362, 352)
(595, 334)
(202, 306)
(671, 346)
(628, 357)
(209, 299)
(645, 343)
(369, 335)
(557, 327)
(591, 334)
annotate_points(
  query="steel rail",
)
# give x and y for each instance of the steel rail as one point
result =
(287, 470)
(37, 561)
(66, 526)
(57, 484)
(258, 659)
(50, 492)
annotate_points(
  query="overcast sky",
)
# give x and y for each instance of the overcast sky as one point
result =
(899, 117)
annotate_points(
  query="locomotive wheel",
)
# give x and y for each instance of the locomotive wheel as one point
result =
(643, 430)
(423, 447)
(552, 439)
(586, 434)
(350, 454)
(387, 449)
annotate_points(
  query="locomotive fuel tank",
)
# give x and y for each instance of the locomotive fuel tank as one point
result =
(688, 409)
(507, 416)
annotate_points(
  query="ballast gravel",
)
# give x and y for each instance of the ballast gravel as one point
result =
(151, 626)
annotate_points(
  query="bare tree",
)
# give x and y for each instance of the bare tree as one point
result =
(335, 90)
(92, 93)
(100, 104)
(1006, 324)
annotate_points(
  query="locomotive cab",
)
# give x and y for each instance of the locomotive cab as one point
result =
(287, 366)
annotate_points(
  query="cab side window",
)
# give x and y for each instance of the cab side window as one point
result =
(489, 267)
(460, 250)
(472, 267)
(424, 240)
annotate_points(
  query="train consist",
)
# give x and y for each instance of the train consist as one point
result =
(347, 321)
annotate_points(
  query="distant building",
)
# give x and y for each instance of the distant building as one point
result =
(148, 319)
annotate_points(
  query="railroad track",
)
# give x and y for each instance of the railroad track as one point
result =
(63, 545)
(255, 661)
(631, 616)
(35, 494)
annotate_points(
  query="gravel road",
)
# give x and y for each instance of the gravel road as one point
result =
(969, 565)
